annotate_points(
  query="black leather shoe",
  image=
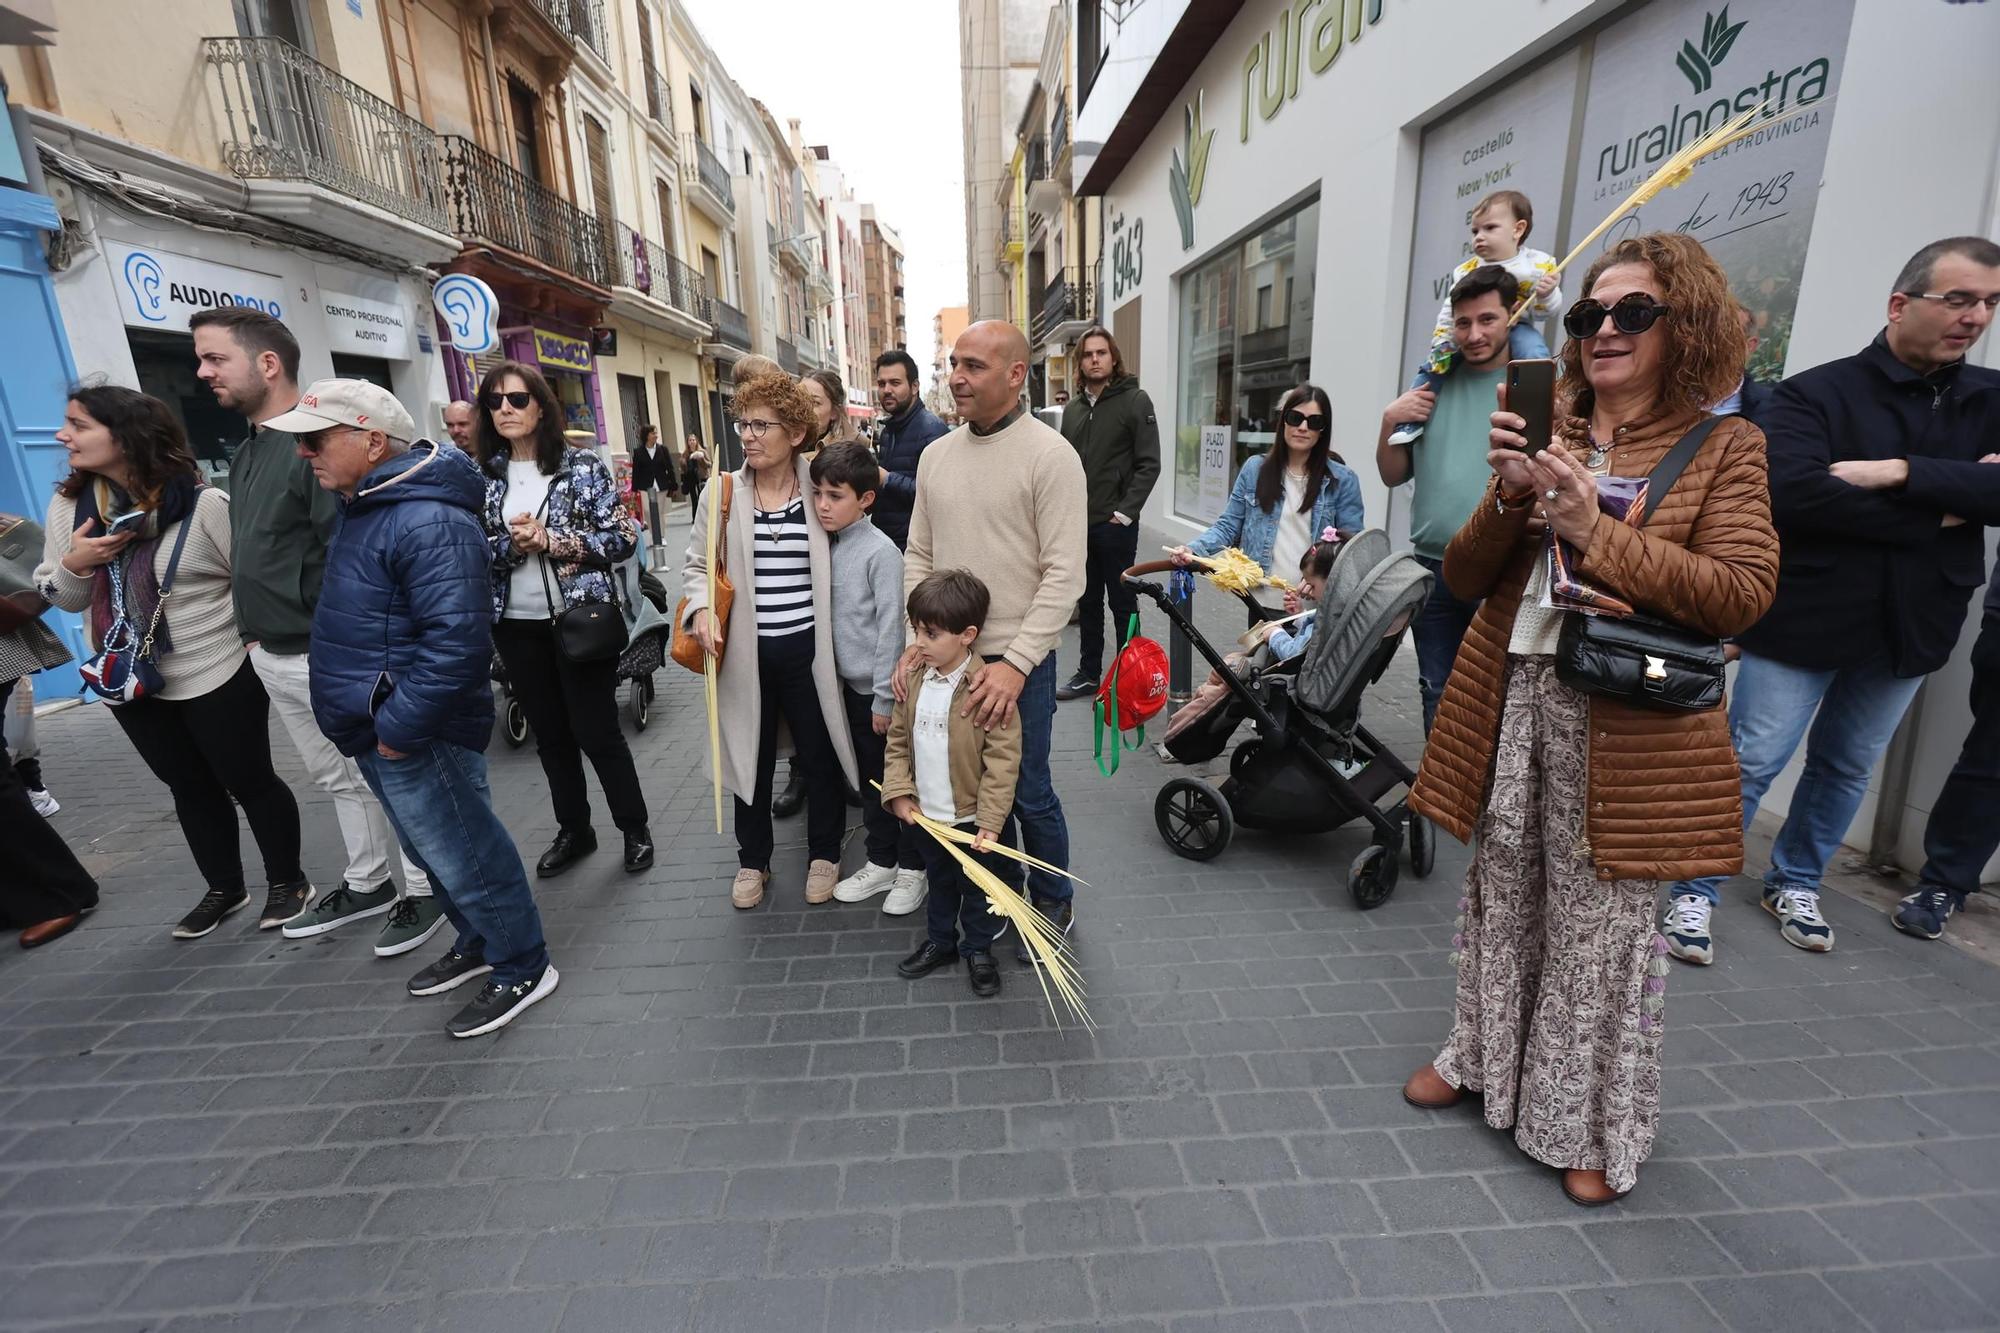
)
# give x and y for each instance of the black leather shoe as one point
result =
(983, 973)
(789, 801)
(565, 851)
(638, 851)
(1062, 917)
(927, 959)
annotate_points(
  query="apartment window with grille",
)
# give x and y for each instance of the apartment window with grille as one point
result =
(597, 150)
(646, 60)
(1090, 48)
(665, 196)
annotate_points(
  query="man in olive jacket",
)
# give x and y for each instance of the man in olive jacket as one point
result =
(1113, 428)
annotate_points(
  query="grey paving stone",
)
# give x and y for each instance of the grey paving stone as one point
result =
(1424, 1265)
(696, 1251)
(895, 1302)
(1516, 1257)
(1295, 1272)
(1657, 1247)
(1155, 1280)
(1523, 1312)
(1774, 1304)
(197, 1280)
(1434, 1203)
(1902, 1232)
(986, 1231)
(458, 1263)
(759, 1306)
(1908, 1298)
(1032, 1294)
(831, 1244)
(1080, 1226)
(1656, 1307)
(642, 1309)
(1195, 1217)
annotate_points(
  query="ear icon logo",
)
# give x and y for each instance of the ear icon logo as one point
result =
(145, 278)
(471, 310)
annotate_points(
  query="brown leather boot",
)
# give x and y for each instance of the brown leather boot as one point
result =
(1589, 1189)
(1427, 1089)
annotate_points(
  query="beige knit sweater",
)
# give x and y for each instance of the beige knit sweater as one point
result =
(1010, 507)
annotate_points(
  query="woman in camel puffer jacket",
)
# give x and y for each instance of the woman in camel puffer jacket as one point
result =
(1581, 804)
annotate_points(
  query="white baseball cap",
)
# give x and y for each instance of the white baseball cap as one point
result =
(354, 403)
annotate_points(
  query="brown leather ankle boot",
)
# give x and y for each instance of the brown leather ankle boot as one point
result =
(1428, 1090)
(1589, 1189)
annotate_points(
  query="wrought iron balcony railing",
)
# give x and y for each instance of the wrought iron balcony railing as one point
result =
(708, 170)
(581, 19)
(1059, 129)
(285, 116)
(732, 326)
(788, 355)
(659, 99)
(492, 202)
(1038, 159)
(644, 265)
(1064, 301)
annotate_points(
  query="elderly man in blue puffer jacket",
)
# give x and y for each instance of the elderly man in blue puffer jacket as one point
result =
(401, 647)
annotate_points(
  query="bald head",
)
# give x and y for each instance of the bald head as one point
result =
(989, 364)
(458, 415)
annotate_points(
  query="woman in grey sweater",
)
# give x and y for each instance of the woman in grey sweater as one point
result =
(205, 733)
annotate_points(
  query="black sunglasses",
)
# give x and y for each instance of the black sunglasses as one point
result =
(1633, 313)
(520, 398)
(313, 444)
(1294, 417)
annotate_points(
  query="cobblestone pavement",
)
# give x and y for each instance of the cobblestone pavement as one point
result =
(732, 1120)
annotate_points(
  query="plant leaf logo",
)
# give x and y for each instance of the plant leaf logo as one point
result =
(145, 277)
(1718, 34)
(1189, 171)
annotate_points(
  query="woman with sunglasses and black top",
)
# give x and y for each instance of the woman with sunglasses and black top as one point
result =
(557, 528)
(206, 733)
(1284, 499)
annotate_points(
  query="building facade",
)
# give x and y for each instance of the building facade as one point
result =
(882, 280)
(1000, 48)
(1283, 193)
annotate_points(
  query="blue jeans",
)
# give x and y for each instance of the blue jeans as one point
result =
(1044, 832)
(1438, 630)
(437, 800)
(1858, 710)
(1524, 343)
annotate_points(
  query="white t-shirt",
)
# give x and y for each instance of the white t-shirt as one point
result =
(930, 744)
(1293, 537)
(527, 594)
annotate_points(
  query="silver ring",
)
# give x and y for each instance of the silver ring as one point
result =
(1550, 493)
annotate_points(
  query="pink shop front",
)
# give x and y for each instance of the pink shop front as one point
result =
(560, 351)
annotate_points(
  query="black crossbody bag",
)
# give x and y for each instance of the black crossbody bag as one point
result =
(1644, 660)
(589, 631)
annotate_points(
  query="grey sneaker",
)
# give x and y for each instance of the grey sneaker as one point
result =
(411, 922)
(340, 907)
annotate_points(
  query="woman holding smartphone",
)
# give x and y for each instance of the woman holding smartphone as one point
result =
(133, 491)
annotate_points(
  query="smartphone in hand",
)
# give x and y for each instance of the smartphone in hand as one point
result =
(132, 521)
(1531, 394)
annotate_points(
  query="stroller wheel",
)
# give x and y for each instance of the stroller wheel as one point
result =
(1372, 876)
(1240, 757)
(641, 705)
(1423, 845)
(517, 723)
(1194, 819)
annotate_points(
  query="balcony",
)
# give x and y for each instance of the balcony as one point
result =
(286, 117)
(1044, 193)
(732, 326)
(1059, 142)
(788, 355)
(1065, 310)
(580, 20)
(490, 203)
(660, 109)
(707, 181)
(657, 289)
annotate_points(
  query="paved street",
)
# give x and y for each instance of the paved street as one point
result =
(745, 1121)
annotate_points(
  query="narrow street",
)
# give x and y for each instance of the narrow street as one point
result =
(745, 1121)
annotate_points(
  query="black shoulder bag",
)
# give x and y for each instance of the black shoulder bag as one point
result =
(589, 631)
(1639, 659)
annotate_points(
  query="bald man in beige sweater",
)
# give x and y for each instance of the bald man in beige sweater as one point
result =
(1004, 497)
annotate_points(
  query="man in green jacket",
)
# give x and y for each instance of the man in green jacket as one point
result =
(1113, 429)
(279, 523)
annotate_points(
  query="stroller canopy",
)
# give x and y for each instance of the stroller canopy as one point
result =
(1370, 594)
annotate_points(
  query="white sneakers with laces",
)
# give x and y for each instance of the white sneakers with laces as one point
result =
(864, 883)
(1686, 928)
(911, 888)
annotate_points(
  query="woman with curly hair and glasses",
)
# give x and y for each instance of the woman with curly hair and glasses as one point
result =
(778, 664)
(1580, 803)
(557, 529)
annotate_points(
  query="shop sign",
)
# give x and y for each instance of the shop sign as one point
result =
(471, 310)
(1189, 170)
(562, 351)
(1128, 255)
(160, 289)
(1311, 32)
(366, 324)
(1214, 469)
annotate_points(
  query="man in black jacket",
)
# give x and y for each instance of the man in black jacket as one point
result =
(1114, 430)
(1883, 472)
(906, 432)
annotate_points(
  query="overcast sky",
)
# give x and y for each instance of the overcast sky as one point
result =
(878, 84)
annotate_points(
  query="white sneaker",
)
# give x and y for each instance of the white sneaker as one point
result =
(864, 883)
(908, 895)
(45, 804)
(1799, 921)
(1407, 433)
(1686, 928)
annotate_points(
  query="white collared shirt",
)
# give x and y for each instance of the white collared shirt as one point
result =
(930, 743)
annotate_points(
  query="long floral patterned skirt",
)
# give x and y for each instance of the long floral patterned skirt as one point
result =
(1561, 976)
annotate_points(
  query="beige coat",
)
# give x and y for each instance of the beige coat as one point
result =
(739, 700)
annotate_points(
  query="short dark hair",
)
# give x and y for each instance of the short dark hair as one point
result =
(255, 332)
(1513, 201)
(846, 463)
(1487, 278)
(952, 600)
(896, 356)
(1916, 275)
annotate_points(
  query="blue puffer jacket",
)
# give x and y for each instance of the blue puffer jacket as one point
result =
(899, 443)
(402, 639)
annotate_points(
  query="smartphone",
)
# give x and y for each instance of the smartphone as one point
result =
(133, 520)
(1531, 394)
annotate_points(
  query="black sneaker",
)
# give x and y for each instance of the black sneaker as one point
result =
(452, 970)
(208, 913)
(1062, 918)
(496, 1005)
(1924, 912)
(284, 903)
(1082, 685)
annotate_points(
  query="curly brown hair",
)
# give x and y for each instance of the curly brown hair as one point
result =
(779, 394)
(1705, 346)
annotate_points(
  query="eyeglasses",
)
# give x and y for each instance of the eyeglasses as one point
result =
(753, 428)
(1958, 302)
(1296, 418)
(518, 399)
(312, 444)
(1634, 313)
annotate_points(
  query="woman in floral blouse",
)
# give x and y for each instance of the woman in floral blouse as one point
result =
(557, 528)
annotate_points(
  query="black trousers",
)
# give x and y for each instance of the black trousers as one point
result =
(1110, 549)
(891, 842)
(956, 913)
(573, 708)
(785, 685)
(208, 750)
(1964, 828)
(43, 879)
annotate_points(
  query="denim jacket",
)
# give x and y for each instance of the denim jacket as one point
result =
(1254, 531)
(589, 531)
